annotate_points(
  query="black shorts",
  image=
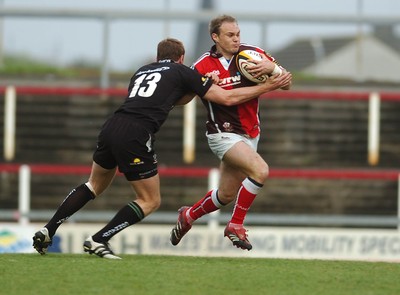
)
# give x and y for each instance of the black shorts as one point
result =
(129, 146)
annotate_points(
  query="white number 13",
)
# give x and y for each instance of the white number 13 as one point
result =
(145, 85)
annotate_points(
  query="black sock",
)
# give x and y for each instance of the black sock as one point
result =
(126, 216)
(76, 199)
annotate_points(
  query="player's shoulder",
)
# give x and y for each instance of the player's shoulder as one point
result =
(182, 70)
(202, 58)
(163, 66)
(152, 67)
(246, 46)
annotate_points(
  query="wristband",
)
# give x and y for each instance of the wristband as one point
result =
(277, 71)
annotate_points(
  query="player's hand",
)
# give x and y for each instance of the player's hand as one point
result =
(261, 67)
(213, 76)
(287, 82)
(283, 81)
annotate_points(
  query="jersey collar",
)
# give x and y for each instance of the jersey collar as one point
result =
(214, 53)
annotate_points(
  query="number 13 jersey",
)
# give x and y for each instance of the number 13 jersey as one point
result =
(155, 89)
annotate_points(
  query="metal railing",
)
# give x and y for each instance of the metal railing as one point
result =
(24, 215)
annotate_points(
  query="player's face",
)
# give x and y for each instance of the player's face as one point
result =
(228, 39)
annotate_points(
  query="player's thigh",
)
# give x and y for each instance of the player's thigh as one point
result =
(247, 160)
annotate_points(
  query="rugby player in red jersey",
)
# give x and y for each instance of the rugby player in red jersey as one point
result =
(233, 133)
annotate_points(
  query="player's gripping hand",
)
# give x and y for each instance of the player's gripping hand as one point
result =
(282, 81)
(213, 76)
(258, 68)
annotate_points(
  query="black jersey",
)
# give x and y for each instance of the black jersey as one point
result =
(155, 88)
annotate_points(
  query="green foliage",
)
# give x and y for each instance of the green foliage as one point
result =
(24, 66)
(20, 65)
(139, 274)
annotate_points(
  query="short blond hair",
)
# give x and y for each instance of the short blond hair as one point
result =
(215, 24)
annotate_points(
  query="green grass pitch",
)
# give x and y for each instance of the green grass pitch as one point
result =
(140, 274)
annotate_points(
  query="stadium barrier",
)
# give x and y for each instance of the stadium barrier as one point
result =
(267, 241)
(23, 214)
(373, 98)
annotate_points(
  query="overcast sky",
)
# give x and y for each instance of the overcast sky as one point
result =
(64, 41)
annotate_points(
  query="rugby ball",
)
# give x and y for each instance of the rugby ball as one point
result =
(242, 62)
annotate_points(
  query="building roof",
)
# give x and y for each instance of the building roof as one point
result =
(361, 57)
(368, 59)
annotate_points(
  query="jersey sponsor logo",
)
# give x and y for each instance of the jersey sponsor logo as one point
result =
(144, 174)
(152, 71)
(136, 161)
(204, 80)
(230, 81)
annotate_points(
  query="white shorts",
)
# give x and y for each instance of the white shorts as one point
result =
(220, 143)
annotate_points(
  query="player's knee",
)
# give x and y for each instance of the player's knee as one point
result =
(265, 172)
(92, 190)
(155, 204)
(227, 193)
(227, 197)
(261, 174)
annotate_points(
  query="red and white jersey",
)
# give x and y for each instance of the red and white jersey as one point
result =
(241, 119)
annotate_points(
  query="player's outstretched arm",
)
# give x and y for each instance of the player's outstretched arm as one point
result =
(240, 95)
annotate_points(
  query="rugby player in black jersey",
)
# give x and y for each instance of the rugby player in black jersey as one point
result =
(126, 142)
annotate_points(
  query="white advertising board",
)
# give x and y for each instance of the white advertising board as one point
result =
(268, 242)
(15, 238)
